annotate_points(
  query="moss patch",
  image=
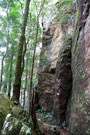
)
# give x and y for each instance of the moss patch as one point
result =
(5, 108)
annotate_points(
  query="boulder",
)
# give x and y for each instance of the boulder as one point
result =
(4, 108)
(18, 112)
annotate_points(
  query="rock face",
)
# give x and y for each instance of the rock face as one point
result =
(47, 85)
(64, 76)
(80, 110)
(55, 76)
(52, 42)
(4, 108)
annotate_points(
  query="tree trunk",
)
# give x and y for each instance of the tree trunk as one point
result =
(18, 71)
(32, 112)
(7, 43)
(25, 80)
(1, 77)
(10, 74)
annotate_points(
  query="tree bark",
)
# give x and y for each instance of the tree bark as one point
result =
(18, 71)
(7, 43)
(10, 73)
(1, 77)
(25, 81)
(32, 112)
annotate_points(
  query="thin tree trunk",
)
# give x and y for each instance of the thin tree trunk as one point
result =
(26, 63)
(32, 112)
(1, 77)
(18, 71)
(10, 74)
(8, 10)
(7, 43)
(25, 81)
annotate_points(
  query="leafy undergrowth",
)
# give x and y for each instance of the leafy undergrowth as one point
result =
(49, 126)
(47, 123)
(20, 125)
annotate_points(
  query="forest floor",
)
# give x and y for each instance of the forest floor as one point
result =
(49, 125)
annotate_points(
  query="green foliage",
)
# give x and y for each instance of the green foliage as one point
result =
(65, 3)
(64, 10)
(48, 116)
(10, 18)
(25, 130)
(22, 115)
(12, 23)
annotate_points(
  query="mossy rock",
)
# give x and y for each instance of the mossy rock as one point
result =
(5, 108)
(11, 126)
(18, 111)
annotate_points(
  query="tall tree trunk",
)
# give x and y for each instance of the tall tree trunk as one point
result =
(7, 43)
(26, 43)
(25, 80)
(18, 71)
(7, 12)
(32, 112)
(1, 76)
(10, 74)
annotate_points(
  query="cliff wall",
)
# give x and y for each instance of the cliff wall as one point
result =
(80, 108)
(55, 69)
(64, 73)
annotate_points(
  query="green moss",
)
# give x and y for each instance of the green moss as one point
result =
(76, 30)
(5, 108)
(2, 118)
(76, 49)
(76, 19)
(18, 111)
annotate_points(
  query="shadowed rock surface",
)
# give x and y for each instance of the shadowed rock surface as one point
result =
(64, 77)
